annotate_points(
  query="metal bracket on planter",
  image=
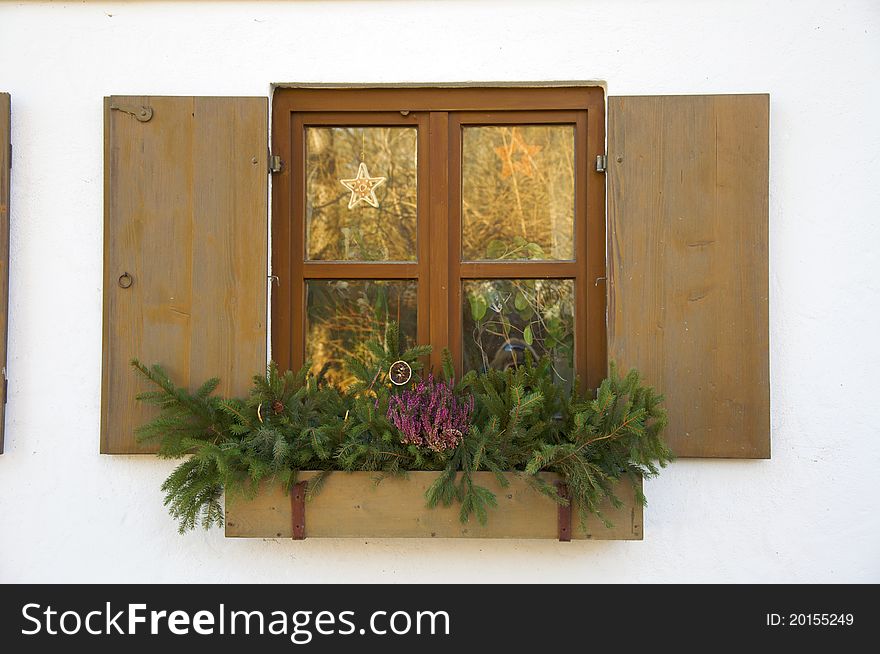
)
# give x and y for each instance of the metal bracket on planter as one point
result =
(564, 513)
(298, 510)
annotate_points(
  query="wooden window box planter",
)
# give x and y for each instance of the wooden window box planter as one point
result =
(352, 505)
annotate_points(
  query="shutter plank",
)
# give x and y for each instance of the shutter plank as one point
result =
(186, 217)
(5, 165)
(688, 263)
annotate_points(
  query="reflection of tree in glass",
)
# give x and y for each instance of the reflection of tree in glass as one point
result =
(504, 319)
(363, 233)
(518, 184)
(343, 315)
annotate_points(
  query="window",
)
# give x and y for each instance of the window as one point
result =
(186, 240)
(471, 217)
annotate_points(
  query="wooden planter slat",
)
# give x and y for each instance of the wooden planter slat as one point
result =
(352, 505)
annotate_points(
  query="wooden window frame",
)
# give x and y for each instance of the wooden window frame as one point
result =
(439, 114)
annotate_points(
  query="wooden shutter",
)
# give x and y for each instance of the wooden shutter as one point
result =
(185, 229)
(5, 169)
(688, 272)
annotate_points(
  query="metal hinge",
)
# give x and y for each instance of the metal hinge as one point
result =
(601, 163)
(142, 113)
(275, 163)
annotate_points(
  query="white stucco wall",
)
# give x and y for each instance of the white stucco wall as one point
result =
(69, 514)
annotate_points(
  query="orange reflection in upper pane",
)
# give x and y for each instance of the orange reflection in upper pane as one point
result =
(517, 192)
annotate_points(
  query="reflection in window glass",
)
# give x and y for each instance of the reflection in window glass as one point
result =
(342, 315)
(517, 192)
(505, 318)
(335, 232)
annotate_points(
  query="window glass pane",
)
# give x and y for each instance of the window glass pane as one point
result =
(517, 192)
(504, 318)
(342, 222)
(342, 315)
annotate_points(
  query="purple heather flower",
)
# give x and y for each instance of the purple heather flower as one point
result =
(428, 414)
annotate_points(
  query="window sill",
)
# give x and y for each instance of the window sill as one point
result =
(351, 505)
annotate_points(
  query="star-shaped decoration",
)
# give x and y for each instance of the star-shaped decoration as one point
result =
(363, 187)
(517, 156)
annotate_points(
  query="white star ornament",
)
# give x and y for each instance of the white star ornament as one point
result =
(363, 187)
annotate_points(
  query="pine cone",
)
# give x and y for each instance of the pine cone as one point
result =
(277, 407)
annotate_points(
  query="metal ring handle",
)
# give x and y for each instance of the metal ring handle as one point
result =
(125, 280)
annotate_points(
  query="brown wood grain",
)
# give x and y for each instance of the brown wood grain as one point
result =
(365, 270)
(519, 269)
(438, 281)
(452, 224)
(352, 505)
(186, 217)
(443, 98)
(688, 263)
(285, 265)
(593, 285)
(5, 172)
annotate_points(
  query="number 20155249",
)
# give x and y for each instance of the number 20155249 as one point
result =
(810, 620)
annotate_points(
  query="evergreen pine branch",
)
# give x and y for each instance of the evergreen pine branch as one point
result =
(522, 422)
(448, 367)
